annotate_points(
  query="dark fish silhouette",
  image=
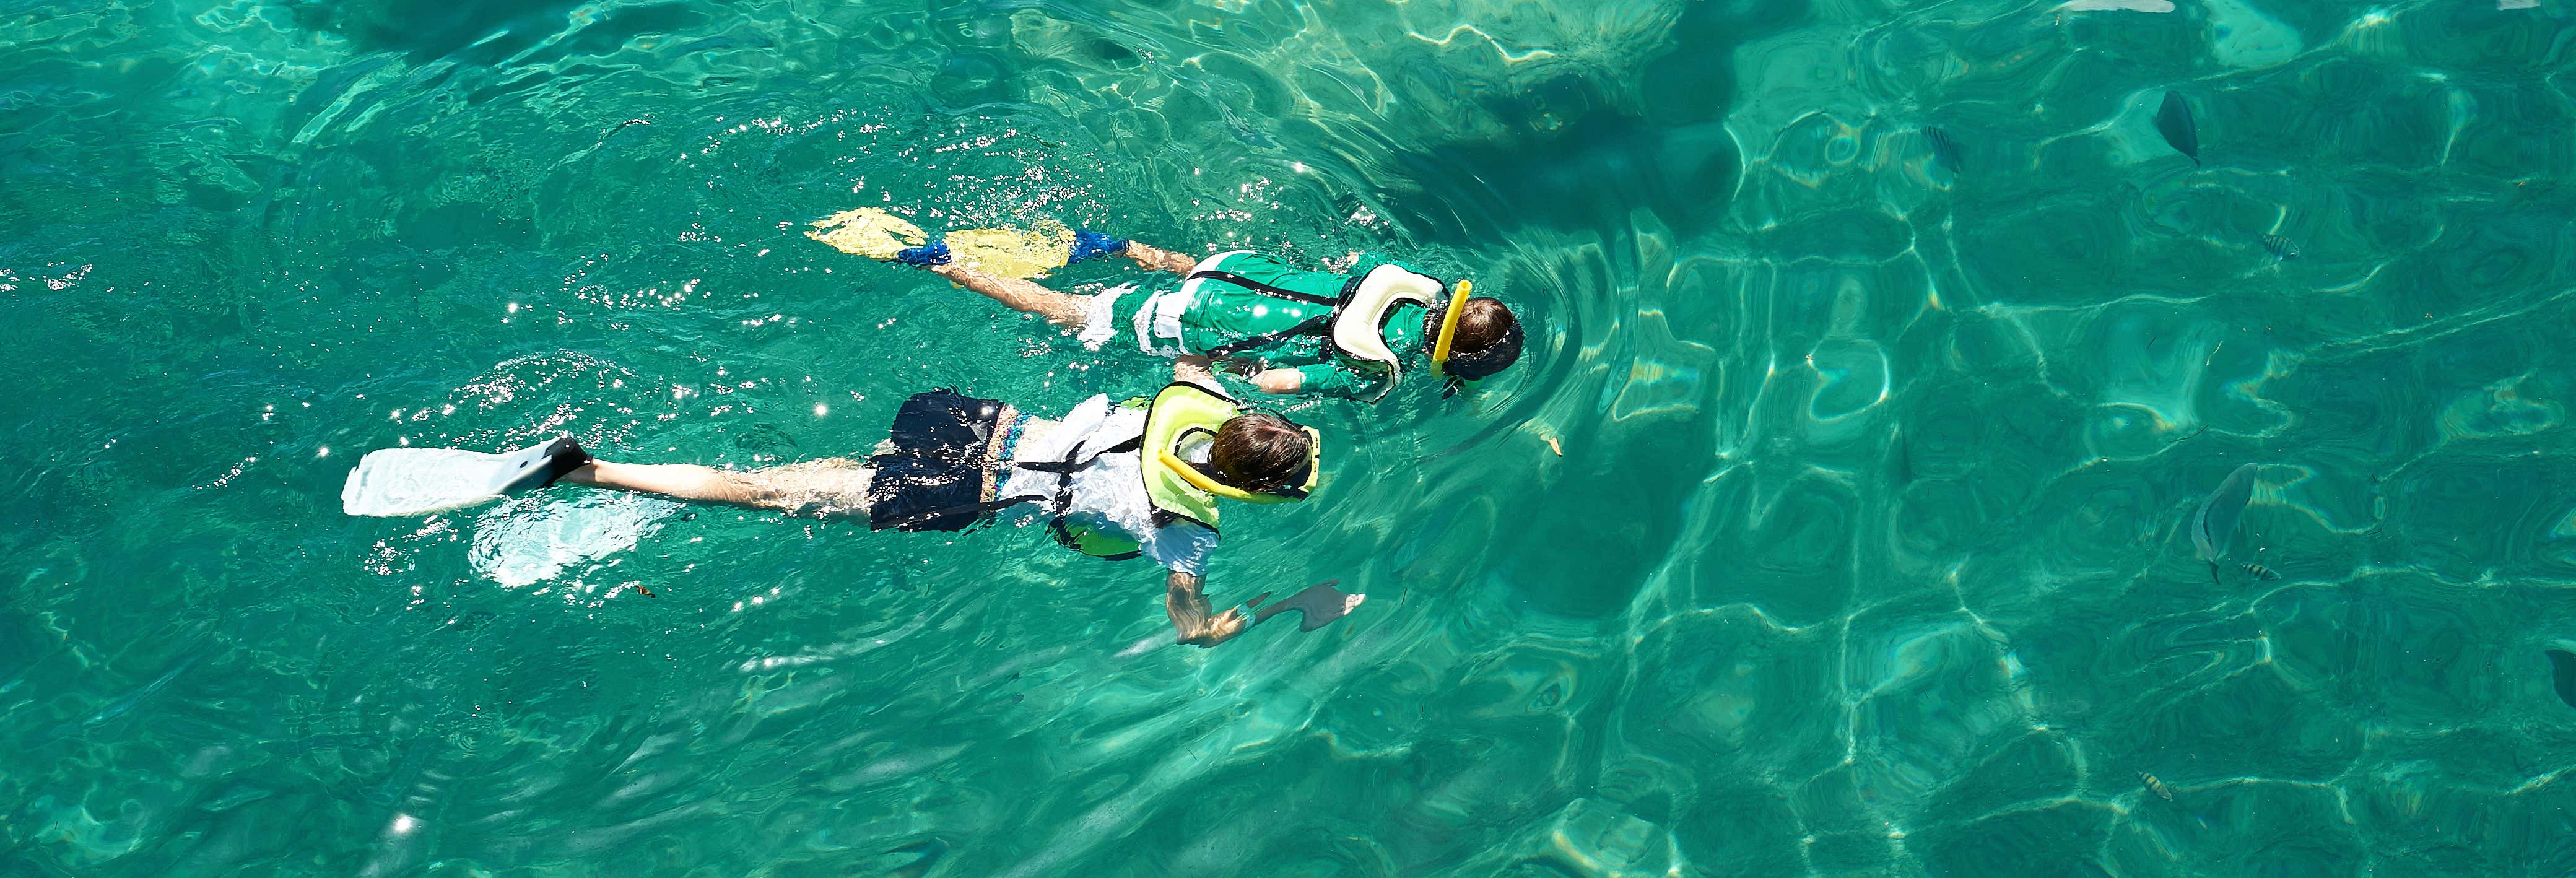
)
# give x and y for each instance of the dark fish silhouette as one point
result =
(2174, 122)
(2216, 520)
(2279, 247)
(930, 849)
(764, 439)
(1945, 151)
(2562, 674)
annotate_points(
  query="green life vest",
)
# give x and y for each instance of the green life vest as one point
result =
(1356, 311)
(1182, 413)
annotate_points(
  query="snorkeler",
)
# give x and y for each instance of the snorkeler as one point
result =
(1295, 331)
(1112, 480)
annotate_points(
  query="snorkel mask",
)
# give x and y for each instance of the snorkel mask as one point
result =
(1462, 368)
(1204, 481)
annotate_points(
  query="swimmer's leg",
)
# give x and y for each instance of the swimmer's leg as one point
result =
(839, 490)
(678, 481)
(1062, 309)
(1155, 258)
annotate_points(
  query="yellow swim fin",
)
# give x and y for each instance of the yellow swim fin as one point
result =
(1023, 253)
(867, 231)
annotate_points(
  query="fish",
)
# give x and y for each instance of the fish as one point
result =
(2261, 572)
(1945, 150)
(2174, 122)
(2156, 786)
(2562, 673)
(2280, 247)
(764, 438)
(2215, 522)
(119, 707)
(930, 849)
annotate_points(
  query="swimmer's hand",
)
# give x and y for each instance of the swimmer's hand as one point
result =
(1215, 631)
(1188, 605)
(1279, 380)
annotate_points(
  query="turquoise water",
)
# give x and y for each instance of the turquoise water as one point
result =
(1867, 549)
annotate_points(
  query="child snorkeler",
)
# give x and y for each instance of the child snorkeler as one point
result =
(1112, 480)
(1297, 331)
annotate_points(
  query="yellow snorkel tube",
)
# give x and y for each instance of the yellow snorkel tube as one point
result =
(1449, 327)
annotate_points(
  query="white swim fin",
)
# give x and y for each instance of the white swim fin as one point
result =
(419, 481)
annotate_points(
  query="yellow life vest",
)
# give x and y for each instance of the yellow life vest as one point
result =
(1183, 412)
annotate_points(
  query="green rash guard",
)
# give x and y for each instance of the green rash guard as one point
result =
(1245, 323)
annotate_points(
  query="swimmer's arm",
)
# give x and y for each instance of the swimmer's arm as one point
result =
(1195, 369)
(1278, 380)
(1187, 603)
(1330, 379)
(1158, 259)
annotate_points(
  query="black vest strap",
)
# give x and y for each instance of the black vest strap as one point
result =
(1315, 324)
(1068, 465)
(1259, 287)
(1063, 499)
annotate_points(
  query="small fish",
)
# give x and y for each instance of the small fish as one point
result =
(930, 849)
(2280, 247)
(640, 589)
(764, 438)
(2174, 122)
(2562, 673)
(118, 707)
(2156, 786)
(2216, 521)
(2261, 572)
(1945, 150)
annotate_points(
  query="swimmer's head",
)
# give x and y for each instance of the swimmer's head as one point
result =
(1261, 452)
(1489, 339)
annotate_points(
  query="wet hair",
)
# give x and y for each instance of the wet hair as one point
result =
(1482, 325)
(1489, 338)
(1260, 452)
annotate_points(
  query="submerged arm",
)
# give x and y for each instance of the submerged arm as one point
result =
(1194, 368)
(1331, 379)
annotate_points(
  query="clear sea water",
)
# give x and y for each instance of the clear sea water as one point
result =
(1866, 552)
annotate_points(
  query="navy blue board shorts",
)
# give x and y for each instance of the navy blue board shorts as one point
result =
(934, 476)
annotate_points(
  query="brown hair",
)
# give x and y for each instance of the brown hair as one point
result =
(1260, 452)
(1482, 324)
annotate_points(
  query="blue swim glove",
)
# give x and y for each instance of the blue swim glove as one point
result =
(924, 256)
(1093, 245)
